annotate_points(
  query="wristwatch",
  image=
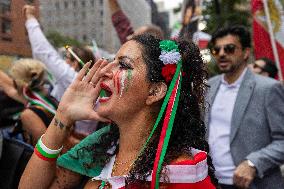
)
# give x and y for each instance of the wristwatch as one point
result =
(250, 163)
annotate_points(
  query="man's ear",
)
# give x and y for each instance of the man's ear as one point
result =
(246, 53)
(157, 92)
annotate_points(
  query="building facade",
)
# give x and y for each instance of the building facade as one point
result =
(86, 20)
(13, 36)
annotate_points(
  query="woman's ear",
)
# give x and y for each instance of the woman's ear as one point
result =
(157, 92)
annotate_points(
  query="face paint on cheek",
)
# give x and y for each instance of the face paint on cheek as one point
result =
(129, 77)
(114, 79)
(122, 82)
(117, 81)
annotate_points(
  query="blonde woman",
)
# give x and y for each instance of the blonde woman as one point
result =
(30, 79)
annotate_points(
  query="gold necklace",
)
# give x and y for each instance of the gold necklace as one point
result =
(122, 163)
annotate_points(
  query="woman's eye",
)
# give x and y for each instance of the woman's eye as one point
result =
(124, 66)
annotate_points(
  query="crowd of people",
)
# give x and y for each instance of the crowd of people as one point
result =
(149, 118)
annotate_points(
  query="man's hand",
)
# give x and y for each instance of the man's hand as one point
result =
(28, 11)
(244, 175)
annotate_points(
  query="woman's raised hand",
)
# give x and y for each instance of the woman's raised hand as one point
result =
(79, 99)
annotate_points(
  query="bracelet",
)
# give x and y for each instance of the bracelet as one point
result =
(46, 153)
(38, 154)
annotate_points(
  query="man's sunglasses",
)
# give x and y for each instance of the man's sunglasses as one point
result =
(228, 49)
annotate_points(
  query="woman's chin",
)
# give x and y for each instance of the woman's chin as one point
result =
(103, 112)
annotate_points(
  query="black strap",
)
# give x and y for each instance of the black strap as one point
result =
(15, 156)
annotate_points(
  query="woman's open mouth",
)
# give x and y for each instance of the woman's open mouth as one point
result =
(105, 94)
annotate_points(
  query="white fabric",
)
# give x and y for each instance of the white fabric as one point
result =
(220, 128)
(44, 51)
(175, 173)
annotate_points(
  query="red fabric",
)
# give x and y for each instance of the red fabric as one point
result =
(204, 184)
(168, 72)
(122, 25)
(197, 158)
(261, 38)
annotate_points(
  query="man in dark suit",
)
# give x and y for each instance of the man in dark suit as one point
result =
(246, 118)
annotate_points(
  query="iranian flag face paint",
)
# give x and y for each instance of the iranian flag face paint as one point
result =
(129, 77)
(122, 81)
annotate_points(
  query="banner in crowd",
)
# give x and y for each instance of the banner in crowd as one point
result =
(261, 37)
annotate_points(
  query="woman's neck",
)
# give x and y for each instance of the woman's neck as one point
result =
(134, 132)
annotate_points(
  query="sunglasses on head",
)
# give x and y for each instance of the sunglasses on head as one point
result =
(228, 49)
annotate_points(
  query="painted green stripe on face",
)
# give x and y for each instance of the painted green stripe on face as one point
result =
(129, 77)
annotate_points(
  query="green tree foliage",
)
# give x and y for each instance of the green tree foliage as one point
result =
(58, 40)
(220, 13)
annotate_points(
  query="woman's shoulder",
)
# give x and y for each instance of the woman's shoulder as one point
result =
(189, 171)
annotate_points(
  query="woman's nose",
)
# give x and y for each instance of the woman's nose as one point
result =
(108, 70)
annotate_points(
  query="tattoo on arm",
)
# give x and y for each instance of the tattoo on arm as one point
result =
(59, 124)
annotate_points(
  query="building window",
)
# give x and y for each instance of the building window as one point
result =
(84, 37)
(83, 3)
(83, 15)
(102, 23)
(57, 5)
(101, 2)
(101, 12)
(66, 5)
(6, 26)
(92, 2)
(5, 6)
(75, 4)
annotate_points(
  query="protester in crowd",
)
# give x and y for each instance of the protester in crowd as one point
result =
(42, 50)
(147, 75)
(124, 28)
(11, 102)
(190, 20)
(63, 73)
(265, 66)
(9, 110)
(246, 131)
(29, 78)
(7, 85)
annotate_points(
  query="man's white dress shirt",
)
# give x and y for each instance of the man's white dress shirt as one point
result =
(220, 128)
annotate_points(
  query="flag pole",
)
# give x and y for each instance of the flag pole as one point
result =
(272, 39)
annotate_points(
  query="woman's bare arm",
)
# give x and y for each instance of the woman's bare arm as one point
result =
(33, 124)
(42, 174)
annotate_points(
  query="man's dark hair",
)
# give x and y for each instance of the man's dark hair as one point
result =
(270, 67)
(236, 30)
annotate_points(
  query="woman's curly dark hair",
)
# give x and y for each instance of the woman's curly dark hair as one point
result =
(189, 128)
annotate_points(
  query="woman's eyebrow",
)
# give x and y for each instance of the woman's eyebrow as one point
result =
(125, 57)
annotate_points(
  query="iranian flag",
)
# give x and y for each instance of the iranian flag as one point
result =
(268, 37)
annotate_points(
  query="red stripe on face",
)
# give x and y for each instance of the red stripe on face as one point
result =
(118, 82)
(115, 78)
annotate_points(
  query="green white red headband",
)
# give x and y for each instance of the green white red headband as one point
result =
(170, 57)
